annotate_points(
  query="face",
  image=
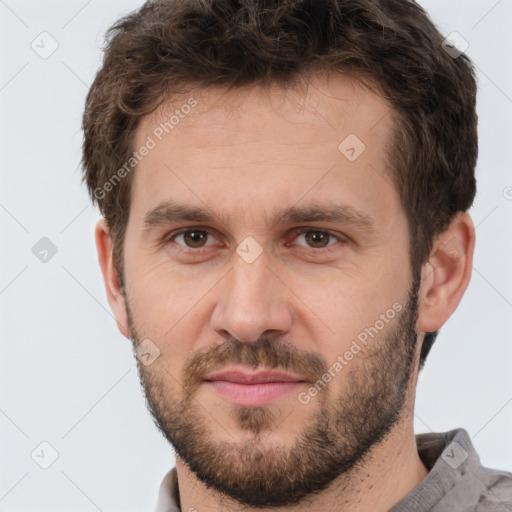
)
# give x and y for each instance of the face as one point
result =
(264, 235)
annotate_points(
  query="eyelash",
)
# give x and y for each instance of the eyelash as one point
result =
(297, 232)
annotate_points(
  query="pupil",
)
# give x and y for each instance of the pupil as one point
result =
(317, 237)
(197, 235)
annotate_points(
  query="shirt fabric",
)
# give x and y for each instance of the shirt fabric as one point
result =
(456, 481)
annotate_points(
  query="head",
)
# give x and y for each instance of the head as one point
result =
(247, 121)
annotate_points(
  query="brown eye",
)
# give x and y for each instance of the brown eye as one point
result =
(193, 238)
(317, 239)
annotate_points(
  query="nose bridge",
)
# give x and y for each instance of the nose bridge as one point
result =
(251, 301)
(251, 282)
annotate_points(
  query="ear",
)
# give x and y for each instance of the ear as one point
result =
(114, 293)
(446, 275)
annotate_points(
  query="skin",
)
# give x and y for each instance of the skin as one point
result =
(246, 154)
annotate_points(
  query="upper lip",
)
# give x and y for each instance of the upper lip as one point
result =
(253, 377)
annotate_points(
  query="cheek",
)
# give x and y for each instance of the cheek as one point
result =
(173, 303)
(342, 298)
(348, 311)
(162, 299)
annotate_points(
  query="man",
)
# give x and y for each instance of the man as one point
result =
(285, 188)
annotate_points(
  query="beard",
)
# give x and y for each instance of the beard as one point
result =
(336, 438)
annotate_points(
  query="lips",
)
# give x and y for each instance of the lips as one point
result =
(240, 376)
(247, 388)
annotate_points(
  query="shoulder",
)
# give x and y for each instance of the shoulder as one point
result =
(496, 490)
(458, 479)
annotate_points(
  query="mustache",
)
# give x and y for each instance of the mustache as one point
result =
(266, 352)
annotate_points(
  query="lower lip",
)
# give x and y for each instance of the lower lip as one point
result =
(254, 394)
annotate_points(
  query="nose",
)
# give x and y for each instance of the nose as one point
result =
(252, 301)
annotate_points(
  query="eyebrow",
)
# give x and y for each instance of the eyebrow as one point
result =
(170, 212)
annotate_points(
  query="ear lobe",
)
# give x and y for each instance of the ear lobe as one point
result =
(114, 293)
(447, 273)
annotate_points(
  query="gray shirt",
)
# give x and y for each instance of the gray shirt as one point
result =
(456, 481)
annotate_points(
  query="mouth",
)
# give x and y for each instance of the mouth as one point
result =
(253, 388)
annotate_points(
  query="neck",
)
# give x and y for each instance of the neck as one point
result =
(391, 471)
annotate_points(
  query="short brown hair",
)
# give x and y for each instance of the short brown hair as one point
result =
(170, 46)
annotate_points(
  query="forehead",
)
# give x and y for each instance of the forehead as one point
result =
(245, 148)
(336, 102)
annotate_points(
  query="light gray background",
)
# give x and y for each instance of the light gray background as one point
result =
(68, 376)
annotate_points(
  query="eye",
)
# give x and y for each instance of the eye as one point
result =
(192, 238)
(317, 239)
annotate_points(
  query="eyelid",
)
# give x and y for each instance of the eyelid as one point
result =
(169, 237)
(295, 232)
(300, 231)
